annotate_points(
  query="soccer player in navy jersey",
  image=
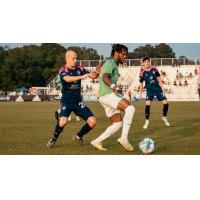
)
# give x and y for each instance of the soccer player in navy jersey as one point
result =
(154, 87)
(71, 101)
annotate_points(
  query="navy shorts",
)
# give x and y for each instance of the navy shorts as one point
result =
(80, 109)
(159, 94)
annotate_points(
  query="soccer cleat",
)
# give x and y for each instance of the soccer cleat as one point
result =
(77, 119)
(146, 124)
(125, 144)
(98, 146)
(57, 115)
(165, 121)
(51, 143)
(78, 139)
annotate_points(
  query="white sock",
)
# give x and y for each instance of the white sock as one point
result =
(127, 121)
(109, 131)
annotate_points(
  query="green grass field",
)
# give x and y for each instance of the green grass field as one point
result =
(25, 129)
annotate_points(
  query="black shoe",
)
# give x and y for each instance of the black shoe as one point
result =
(78, 139)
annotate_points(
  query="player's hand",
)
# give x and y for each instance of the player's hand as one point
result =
(116, 89)
(98, 69)
(84, 76)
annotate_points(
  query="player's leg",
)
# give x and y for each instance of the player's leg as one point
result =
(165, 112)
(149, 99)
(116, 118)
(64, 114)
(85, 113)
(163, 99)
(129, 110)
(147, 114)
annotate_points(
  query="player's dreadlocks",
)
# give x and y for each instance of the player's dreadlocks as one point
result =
(118, 48)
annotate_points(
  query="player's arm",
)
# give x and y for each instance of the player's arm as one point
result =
(159, 79)
(108, 82)
(93, 75)
(160, 82)
(140, 90)
(141, 86)
(70, 79)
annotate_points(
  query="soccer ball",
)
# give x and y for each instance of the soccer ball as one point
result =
(146, 145)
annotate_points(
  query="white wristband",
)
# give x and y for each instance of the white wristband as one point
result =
(112, 86)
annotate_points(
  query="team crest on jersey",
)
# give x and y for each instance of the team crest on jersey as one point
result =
(64, 108)
(151, 77)
(78, 72)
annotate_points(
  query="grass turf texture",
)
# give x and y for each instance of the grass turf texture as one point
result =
(25, 128)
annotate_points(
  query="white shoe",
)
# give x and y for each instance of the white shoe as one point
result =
(165, 121)
(77, 119)
(98, 146)
(69, 118)
(125, 144)
(146, 124)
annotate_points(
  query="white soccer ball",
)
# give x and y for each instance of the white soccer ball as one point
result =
(146, 145)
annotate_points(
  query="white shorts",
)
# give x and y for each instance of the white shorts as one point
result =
(110, 103)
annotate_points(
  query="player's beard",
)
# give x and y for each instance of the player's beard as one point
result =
(120, 62)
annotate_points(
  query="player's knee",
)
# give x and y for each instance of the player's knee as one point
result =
(92, 122)
(63, 122)
(130, 110)
(117, 125)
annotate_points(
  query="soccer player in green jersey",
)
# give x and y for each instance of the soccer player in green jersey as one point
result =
(111, 102)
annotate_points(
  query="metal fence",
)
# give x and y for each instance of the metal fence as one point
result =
(154, 61)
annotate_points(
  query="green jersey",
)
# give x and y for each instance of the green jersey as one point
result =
(110, 67)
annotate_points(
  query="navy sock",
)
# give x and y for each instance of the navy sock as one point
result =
(57, 131)
(84, 130)
(165, 109)
(147, 111)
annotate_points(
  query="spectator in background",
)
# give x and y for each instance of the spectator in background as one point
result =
(186, 83)
(196, 71)
(175, 83)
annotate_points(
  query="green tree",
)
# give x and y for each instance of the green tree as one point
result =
(161, 50)
(85, 53)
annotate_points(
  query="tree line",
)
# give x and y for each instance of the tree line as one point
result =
(37, 65)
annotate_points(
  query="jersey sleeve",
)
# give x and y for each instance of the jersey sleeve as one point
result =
(108, 68)
(84, 71)
(157, 72)
(63, 74)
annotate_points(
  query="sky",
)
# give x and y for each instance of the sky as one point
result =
(186, 49)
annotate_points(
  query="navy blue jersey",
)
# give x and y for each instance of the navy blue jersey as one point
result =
(150, 78)
(71, 92)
